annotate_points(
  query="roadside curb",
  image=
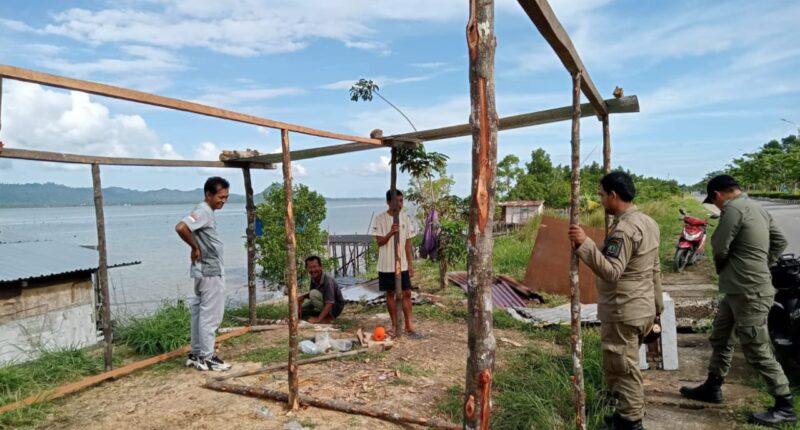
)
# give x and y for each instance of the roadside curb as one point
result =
(782, 201)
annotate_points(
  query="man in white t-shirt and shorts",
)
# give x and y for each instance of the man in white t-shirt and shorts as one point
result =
(384, 229)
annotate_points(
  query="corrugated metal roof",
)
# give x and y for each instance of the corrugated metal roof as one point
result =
(555, 316)
(504, 293)
(30, 260)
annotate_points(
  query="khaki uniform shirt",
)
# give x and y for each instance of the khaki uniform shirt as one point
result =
(744, 244)
(627, 267)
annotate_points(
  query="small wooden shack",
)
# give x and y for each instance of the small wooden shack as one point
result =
(518, 212)
(48, 298)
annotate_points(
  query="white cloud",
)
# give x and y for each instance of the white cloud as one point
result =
(299, 170)
(141, 60)
(15, 25)
(235, 97)
(48, 120)
(207, 151)
(380, 167)
(383, 81)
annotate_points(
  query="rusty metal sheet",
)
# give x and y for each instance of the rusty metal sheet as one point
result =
(504, 293)
(548, 267)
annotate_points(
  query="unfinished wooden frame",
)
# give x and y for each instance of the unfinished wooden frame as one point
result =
(483, 128)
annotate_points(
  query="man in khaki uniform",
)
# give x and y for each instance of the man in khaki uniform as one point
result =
(745, 243)
(629, 285)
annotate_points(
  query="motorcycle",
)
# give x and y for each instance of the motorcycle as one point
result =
(784, 316)
(692, 242)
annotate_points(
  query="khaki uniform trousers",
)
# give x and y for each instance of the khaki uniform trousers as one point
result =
(746, 315)
(620, 343)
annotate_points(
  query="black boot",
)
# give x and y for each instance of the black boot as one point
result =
(709, 391)
(618, 423)
(781, 414)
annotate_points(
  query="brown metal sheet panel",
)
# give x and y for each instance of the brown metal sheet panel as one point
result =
(503, 296)
(548, 267)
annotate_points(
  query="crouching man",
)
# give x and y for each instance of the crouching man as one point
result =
(325, 300)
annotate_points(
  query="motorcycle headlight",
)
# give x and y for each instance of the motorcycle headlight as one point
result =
(692, 236)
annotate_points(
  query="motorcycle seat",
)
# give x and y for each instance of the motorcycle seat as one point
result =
(694, 221)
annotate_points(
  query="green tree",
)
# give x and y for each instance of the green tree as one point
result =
(309, 212)
(508, 171)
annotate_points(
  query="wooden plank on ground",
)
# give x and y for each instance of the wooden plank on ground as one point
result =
(116, 373)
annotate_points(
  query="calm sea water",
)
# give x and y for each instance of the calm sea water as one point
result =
(147, 234)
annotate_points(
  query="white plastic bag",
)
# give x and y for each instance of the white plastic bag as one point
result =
(342, 344)
(308, 347)
(322, 339)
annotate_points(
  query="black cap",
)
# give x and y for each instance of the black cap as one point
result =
(719, 183)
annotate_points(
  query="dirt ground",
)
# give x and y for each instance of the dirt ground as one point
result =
(413, 376)
(174, 398)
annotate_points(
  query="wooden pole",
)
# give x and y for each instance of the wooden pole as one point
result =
(607, 159)
(574, 218)
(291, 272)
(335, 405)
(484, 121)
(251, 244)
(398, 282)
(116, 373)
(102, 271)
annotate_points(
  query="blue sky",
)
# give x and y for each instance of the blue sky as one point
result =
(713, 80)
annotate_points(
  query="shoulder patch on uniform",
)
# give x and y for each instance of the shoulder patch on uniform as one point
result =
(613, 247)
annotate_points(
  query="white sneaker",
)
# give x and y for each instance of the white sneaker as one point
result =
(196, 362)
(216, 364)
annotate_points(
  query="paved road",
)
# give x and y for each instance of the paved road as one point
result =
(788, 219)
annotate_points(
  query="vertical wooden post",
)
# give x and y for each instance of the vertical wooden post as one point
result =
(398, 284)
(483, 119)
(606, 158)
(102, 271)
(291, 272)
(574, 218)
(251, 244)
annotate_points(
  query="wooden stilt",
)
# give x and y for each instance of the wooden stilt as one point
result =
(102, 271)
(484, 121)
(574, 218)
(251, 245)
(291, 272)
(607, 159)
(398, 248)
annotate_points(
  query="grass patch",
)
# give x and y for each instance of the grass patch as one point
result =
(266, 355)
(51, 369)
(535, 391)
(167, 329)
(439, 313)
(510, 256)
(400, 382)
(410, 370)
(269, 311)
(450, 405)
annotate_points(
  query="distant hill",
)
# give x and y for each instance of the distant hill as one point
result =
(50, 194)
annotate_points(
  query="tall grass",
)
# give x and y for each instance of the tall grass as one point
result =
(533, 390)
(511, 253)
(52, 368)
(167, 329)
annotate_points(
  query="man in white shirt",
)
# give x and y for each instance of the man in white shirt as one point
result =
(384, 229)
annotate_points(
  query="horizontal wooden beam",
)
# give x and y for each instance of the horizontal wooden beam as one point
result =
(628, 104)
(545, 20)
(26, 75)
(57, 157)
